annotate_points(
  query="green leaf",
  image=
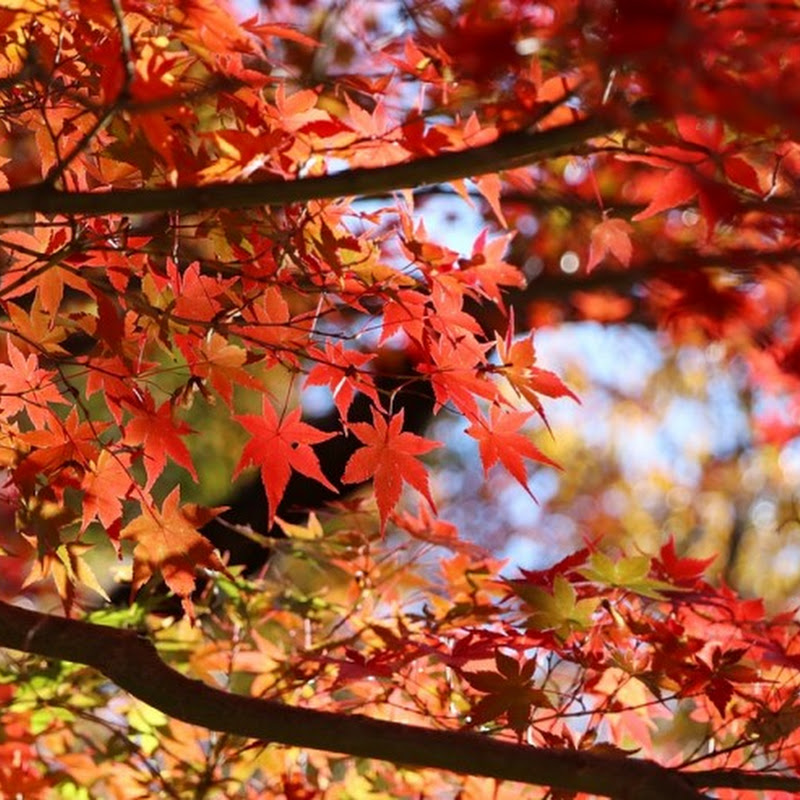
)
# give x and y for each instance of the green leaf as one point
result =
(631, 573)
(560, 611)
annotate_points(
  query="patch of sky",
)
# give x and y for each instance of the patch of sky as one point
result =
(621, 361)
(556, 538)
(789, 462)
(317, 401)
(729, 425)
(449, 220)
(456, 224)
(624, 356)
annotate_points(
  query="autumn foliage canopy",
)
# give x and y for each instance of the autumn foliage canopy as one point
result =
(213, 224)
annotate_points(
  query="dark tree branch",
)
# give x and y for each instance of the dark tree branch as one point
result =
(508, 152)
(131, 661)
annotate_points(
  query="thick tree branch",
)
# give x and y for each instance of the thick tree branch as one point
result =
(508, 152)
(132, 662)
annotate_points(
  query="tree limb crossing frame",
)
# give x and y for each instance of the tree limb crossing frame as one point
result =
(132, 662)
(509, 151)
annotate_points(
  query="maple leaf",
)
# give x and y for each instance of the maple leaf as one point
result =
(167, 541)
(159, 436)
(216, 360)
(267, 31)
(267, 322)
(404, 313)
(455, 374)
(561, 611)
(279, 446)
(509, 692)
(544, 578)
(717, 677)
(499, 440)
(420, 250)
(675, 188)
(296, 110)
(115, 379)
(517, 360)
(610, 236)
(311, 531)
(57, 446)
(344, 372)
(389, 457)
(490, 187)
(37, 325)
(196, 295)
(631, 574)
(25, 387)
(50, 288)
(67, 566)
(105, 487)
(437, 532)
(449, 318)
(742, 173)
(680, 571)
(485, 269)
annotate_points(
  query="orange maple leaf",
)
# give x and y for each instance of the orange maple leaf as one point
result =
(499, 440)
(168, 542)
(517, 360)
(485, 271)
(106, 485)
(25, 387)
(389, 457)
(279, 446)
(214, 359)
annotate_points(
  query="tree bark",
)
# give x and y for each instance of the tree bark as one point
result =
(510, 151)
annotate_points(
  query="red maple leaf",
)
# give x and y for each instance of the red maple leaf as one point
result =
(159, 436)
(680, 571)
(279, 446)
(485, 271)
(344, 371)
(196, 295)
(404, 313)
(610, 236)
(675, 188)
(499, 440)
(455, 374)
(389, 457)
